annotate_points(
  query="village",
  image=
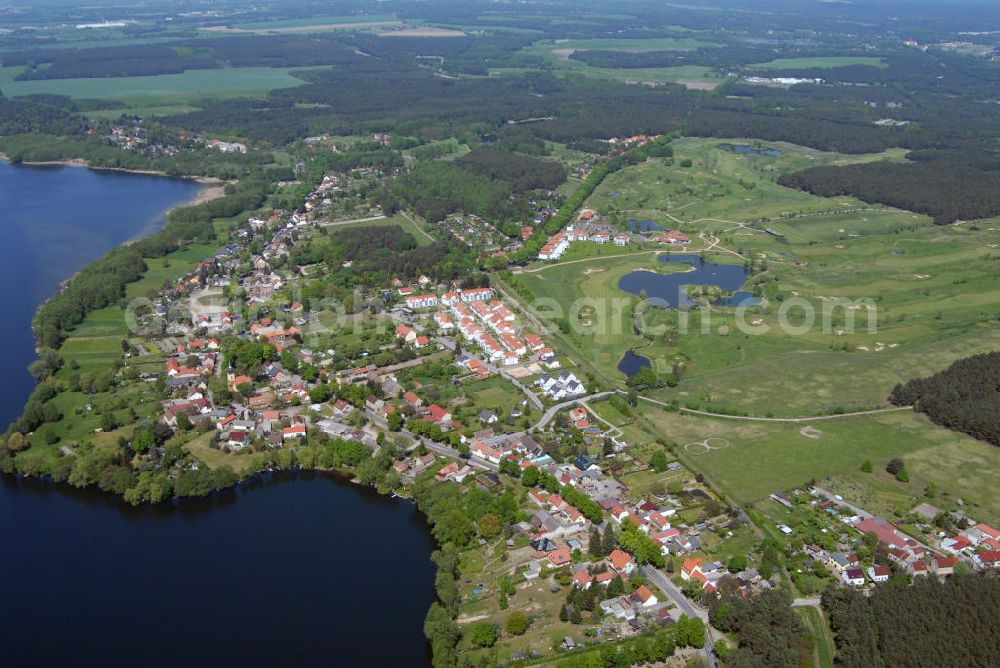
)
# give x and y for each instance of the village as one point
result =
(456, 388)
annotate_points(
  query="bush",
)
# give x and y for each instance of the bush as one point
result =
(483, 634)
(517, 623)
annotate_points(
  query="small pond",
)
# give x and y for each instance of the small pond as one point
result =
(632, 362)
(670, 287)
(746, 149)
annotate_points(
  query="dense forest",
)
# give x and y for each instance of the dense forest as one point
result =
(964, 397)
(520, 171)
(946, 185)
(46, 114)
(380, 253)
(770, 634)
(928, 623)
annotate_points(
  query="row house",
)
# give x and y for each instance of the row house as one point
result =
(422, 301)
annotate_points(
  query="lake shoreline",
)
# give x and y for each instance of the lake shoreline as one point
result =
(212, 188)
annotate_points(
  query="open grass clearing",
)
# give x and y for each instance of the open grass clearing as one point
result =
(819, 62)
(171, 93)
(214, 458)
(773, 457)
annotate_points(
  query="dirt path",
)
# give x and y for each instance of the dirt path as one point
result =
(794, 420)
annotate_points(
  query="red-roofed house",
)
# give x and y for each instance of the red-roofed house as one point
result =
(438, 414)
(690, 567)
(582, 579)
(644, 596)
(886, 533)
(621, 562)
(944, 566)
(560, 557)
(989, 559)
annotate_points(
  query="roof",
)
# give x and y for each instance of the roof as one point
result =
(619, 559)
(560, 556)
(643, 593)
(988, 530)
(692, 564)
(436, 412)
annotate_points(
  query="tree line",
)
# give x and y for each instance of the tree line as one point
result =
(963, 397)
(929, 623)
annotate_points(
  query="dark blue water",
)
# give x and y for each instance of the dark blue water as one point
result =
(632, 362)
(669, 287)
(746, 149)
(54, 220)
(292, 570)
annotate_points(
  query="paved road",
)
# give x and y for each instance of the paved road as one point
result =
(551, 412)
(664, 584)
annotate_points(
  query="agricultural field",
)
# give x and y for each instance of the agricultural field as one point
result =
(311, 25)
(165, 93)
(820, 62)
(749, 459)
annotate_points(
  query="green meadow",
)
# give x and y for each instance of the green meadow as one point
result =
(892, 295)
(819, 62)
(165, 93)
(751, 460)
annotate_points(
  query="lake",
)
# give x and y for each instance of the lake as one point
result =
(291, 569)
(669, 287)
(54, 220)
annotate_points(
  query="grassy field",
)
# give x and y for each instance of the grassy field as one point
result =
(199, 447)
(93, 347)
(750, 460)
(653, 44)
(317, 21)
(596, 312)
(166, 93)
(824, 62)
(913, 297)
(422, 237)
(719, 184)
